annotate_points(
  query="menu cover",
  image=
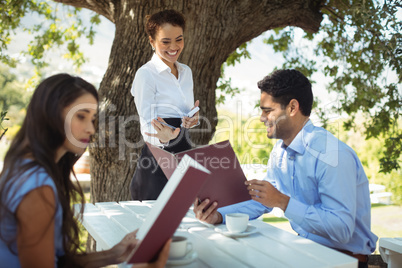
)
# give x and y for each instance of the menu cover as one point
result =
(225, 185)
(169, 209)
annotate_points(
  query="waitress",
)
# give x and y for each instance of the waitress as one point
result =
(163, 93)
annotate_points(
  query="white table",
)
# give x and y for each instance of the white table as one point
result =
(391, 251)
(109, 222)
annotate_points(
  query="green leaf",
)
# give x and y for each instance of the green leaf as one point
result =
(358, 48)
(49, 34)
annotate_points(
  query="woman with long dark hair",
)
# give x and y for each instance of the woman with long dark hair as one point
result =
(37, 225)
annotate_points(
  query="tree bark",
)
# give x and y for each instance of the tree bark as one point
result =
(102, 7)
(214, 29)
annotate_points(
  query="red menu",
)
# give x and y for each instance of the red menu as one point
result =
(169, 209)
(225, 185)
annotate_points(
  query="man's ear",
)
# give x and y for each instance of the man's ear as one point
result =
(293, 107)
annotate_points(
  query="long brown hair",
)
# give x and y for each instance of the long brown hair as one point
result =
(41, 134)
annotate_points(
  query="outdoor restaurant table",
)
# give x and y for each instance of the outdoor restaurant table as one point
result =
(391, 251)
(109, 222)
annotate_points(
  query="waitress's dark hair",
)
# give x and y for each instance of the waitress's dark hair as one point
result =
(154, 21)
(41, 134)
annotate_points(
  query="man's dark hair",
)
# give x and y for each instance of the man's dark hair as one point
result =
(285, 85)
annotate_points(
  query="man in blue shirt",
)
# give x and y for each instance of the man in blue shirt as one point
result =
(317, 180)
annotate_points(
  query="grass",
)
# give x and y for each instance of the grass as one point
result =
(83, 231)
(272, 219)
(83, 237)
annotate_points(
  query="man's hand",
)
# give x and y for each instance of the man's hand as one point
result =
(266, 194)
(210, 215)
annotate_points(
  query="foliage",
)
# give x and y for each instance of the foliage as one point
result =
(357, 46)
(251, 145)
(54, 28)
(12, 92)
(3, 118)
(359, 49)
(246, 135)
(13, 100)
(50, 28)
(224, 87)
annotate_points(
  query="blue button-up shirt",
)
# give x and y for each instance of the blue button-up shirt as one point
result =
(329, 194)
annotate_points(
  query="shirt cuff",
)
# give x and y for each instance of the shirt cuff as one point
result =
(250, 207)
(223, 211)
(163, 145)
(295, 211)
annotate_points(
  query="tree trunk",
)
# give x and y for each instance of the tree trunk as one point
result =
(214, 29)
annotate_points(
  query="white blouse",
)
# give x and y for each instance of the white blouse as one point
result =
(157, 92)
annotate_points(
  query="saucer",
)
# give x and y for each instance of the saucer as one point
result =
(224, 230)
(190, 257)
(207, 224)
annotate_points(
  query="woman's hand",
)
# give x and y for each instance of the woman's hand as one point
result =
(160, 262)
(119, 254)
(188, 122)
(163, 133)
(122, 250)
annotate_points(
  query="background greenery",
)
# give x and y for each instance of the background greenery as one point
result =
(359, 42)
(247, 136)
(14, 98)
(357, 47)
(251, 145)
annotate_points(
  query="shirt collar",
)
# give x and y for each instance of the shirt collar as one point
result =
(161, 66)
(299, 143)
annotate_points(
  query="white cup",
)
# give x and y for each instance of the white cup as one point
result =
(179, 247)
(236, 222)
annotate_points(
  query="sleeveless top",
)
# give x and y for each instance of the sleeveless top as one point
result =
(12, 196)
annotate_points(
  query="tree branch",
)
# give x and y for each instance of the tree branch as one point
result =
(105, 8)
(332, 14)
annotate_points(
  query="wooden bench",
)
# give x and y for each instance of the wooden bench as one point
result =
(381, 198)
(378, 194)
